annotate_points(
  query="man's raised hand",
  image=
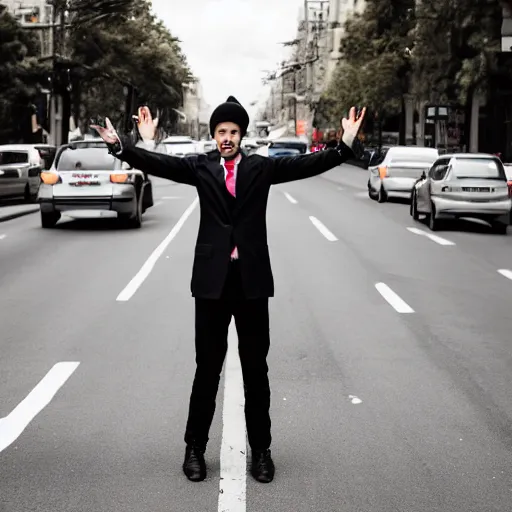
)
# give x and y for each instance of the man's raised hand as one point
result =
(108, 134)
(350, 127)
(146, 124)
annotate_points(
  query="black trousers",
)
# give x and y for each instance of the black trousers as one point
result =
(212, 319)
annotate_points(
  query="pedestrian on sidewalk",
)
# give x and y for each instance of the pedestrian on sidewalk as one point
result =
(232, 275)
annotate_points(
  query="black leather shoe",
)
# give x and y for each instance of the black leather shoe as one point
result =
(262, 467)
(194, 466)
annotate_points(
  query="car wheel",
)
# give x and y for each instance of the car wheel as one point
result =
(27, 196)
(382, 196)
(499, 228)
(49, 219)
(371, 193)
(414, 206)
(433, 223)
(134, 222)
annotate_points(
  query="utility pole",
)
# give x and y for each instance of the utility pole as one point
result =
(295, 100)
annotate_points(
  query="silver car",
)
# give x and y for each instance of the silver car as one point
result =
(397, 170)
(20, 167)
(464, 185)
(85, 178)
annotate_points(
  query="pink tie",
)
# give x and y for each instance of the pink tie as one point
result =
(231, 186)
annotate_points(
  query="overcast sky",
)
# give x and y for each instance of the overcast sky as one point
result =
(229, 42)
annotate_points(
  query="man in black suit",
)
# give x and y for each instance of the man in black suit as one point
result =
(231, 276)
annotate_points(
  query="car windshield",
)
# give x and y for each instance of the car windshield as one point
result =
(484, 168)
(299, 146)
(89, 159)
(282, 151)
(13, 157)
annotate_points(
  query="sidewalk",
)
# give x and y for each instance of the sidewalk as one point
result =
(9, 212)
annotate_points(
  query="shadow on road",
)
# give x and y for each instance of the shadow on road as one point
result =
(465, 225)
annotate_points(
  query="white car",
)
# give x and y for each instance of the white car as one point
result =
(86, 180)
(464, 185)
(395, 172)
(20, 168)
(178, 145)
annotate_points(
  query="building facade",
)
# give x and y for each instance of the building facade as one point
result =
(35, 15)
(297, 86)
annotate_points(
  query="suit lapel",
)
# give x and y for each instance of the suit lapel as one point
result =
(216, 168)
(244, 179)
(217, 172)
(245, 176)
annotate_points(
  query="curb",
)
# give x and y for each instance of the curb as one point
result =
(10, 216)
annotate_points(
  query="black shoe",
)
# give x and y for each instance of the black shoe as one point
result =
(262, 468)
(194, 466)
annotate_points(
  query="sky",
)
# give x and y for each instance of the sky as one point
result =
(228, 43)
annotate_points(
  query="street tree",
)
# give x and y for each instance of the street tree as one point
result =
(374, 69)
(135, 57)
(22, 77)
(462, 58)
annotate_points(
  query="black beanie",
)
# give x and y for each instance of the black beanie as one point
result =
(230, 112)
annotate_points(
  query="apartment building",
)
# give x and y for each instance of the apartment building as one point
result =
(36, 15)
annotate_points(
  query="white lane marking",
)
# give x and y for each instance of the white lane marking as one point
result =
(355, 400)
(290, 198)
(437, 239)
(12, 426)
(2, 237)
(233, 458)
(393, 299)
(340, 188)
(506, 273)
(146, 269)
(318, 225)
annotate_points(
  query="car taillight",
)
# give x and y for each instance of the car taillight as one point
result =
(50, 178)
(120, 177)
(383, 171)
(509, 188)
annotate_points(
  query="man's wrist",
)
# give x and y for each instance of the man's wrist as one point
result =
(355, 146)
(348, 139)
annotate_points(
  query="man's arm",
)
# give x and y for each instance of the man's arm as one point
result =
(306, 166)
(158, 164)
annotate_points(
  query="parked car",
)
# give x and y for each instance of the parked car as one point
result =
(20, 167)
(393, 172)
(84, 177)
(288, 143)
(464, 185)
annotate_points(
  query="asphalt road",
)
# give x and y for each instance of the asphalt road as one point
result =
(390, 365)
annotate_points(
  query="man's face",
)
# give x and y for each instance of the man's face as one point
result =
(227, 136)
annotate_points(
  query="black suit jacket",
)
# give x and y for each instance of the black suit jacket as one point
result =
(221, 226)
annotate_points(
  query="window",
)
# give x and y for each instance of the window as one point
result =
(278, 151)
(378, 157)
(482, 168)
(85, 160)
(299, 146)
(438, 171)
(13, 157)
